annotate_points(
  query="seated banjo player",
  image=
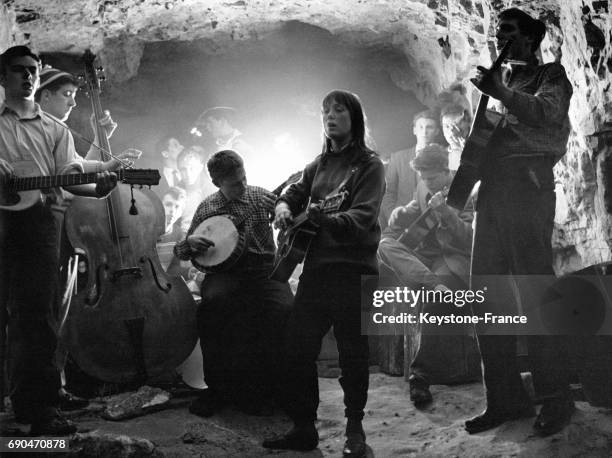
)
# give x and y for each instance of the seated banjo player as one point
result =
(242, 314)
(433, 254)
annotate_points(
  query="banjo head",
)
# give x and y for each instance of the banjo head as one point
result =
(222, 231)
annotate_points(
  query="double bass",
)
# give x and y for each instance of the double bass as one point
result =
(131, 321)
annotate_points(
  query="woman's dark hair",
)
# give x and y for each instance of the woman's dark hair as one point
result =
(359, 130)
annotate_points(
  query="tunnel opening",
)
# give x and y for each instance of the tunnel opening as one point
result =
(275, 82)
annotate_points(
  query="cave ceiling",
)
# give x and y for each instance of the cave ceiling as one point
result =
(119, 30)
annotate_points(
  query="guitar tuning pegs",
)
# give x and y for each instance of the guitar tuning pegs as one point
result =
(100, 69)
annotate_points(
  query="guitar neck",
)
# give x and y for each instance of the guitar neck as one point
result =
(420, 222)
(277, 191)
(53, 181)
(292, 179)
(483, 102)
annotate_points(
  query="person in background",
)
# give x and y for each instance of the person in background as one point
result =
(456, 121)
(169, 149)
(219, 124)
(56, 96)
(174, 203)
(440, 261)
(400, 177)
(194, 180)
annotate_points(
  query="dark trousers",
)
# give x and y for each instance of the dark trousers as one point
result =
(29, 291)
(514, 223)
(326, 297)
(438, 357)
(241, 321)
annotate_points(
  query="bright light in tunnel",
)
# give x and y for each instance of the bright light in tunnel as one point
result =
(285, 157)
(275, 85)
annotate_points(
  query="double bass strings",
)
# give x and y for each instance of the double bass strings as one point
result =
(126, 163)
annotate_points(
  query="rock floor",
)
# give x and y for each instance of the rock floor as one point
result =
(393, 426)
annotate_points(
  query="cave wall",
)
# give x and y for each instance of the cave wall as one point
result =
(437, 43)
(584, 237)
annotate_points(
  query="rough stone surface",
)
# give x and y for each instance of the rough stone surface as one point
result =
(394, 428)
(133, 404)
(97, 444)
(426, 44)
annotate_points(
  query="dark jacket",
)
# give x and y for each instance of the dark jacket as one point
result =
(350, 236)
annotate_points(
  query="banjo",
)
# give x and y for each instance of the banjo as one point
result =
(229, 240)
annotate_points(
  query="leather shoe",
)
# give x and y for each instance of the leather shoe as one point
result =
(355, 446)
(554, 416)
(419, 391)
(302, 439)
(52, 424)
(207, 404)
(493, 417)
(68, 401)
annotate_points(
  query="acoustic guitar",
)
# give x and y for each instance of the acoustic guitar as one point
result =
(293, 243)
(483, 127)
(22, 190)
(229, 241)
(418, 230)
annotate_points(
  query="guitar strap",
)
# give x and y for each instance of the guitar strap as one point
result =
(350, 173)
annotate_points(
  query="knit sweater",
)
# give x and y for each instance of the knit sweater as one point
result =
(350, 236)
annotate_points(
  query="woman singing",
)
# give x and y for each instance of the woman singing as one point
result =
(328, 293)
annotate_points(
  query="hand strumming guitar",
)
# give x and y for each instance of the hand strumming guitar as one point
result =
(316, 214)
(283, 218)
(5, 168)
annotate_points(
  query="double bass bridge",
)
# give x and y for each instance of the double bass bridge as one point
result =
(131, 271)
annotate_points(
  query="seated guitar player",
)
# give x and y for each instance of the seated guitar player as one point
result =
(242, 314)
(440, 261)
